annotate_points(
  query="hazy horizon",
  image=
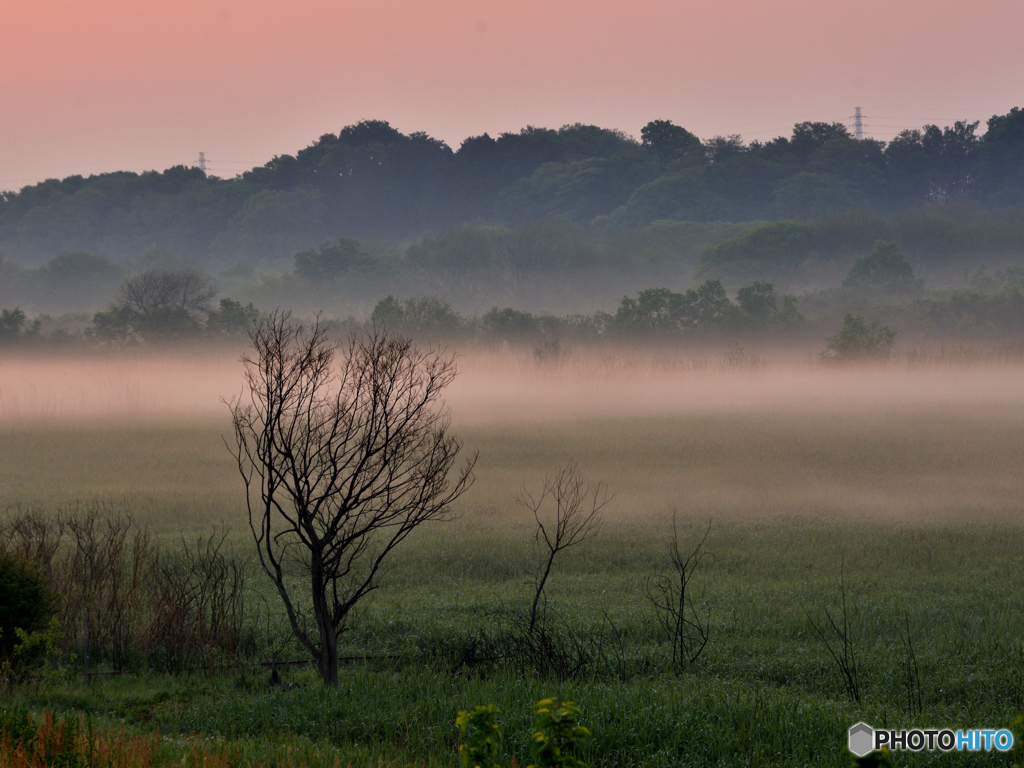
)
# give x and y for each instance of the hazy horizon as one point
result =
(117, 86)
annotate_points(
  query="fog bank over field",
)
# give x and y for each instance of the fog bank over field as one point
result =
(514, 386)
(505, 390)
(710, 434)
(57, 390)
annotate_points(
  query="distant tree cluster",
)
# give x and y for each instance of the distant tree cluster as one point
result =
(654, 314)
(14, 327)
(73, 281)
(705, 308)
(150, 307)
(169, 306)
(371, 180)
(991, 303)
(940, 235)
(883, 272)
(172, 306)
(557, 264)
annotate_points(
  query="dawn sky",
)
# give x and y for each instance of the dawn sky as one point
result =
(88, 86)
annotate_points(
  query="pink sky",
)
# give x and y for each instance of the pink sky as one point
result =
(88, 86)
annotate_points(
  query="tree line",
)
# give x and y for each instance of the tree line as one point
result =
(555, 266)
(373, 181)
(174, 306)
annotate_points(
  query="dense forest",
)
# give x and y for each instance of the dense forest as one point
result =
(575, 234)
(372, 181)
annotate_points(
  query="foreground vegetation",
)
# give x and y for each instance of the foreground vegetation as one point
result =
(899, 489)
(764, 693)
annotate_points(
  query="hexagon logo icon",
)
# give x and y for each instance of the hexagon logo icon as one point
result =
(861, 739)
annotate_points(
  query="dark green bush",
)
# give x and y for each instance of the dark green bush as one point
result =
(857, 340)
(27, 603)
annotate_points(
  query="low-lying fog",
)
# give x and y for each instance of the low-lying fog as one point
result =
(510, 386)
(708, 434)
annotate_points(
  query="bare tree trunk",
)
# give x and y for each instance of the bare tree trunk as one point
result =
(327, 660)
(541, 581)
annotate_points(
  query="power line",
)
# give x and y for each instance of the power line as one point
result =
(149, 161)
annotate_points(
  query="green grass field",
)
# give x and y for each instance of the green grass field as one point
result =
(908, 482)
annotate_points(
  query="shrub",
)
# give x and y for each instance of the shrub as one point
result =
(553, 740)
(555, 735)
(27, 603)
(857, 340)
(480, 737)
(129, 601)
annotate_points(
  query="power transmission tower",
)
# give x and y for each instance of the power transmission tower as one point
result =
(858, 125)
(202, 155)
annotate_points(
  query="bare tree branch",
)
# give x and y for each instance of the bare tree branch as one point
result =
(672, 598)
(153, 290)
(577, 517)
(839, 640)
(343, 453)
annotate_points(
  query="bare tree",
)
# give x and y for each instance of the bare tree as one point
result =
(153, 291)
(672, 598)
(838, 636)
(344, 452)
(577, 517)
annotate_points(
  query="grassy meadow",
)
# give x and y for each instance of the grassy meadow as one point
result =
(905, 481)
